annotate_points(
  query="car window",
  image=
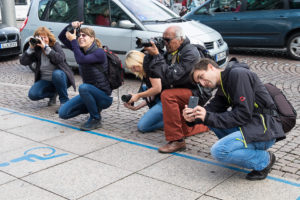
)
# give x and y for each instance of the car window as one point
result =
(58, 10)
(220, 6)
(103, 13)
(294, 4)
(147, 10)
(264, 4)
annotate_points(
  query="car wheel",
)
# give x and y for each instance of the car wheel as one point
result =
(293, 46)
(32, 67)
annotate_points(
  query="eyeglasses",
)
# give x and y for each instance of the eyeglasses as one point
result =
(168, 40)
(82, 35)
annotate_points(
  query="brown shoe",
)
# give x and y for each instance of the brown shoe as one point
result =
(172, 146)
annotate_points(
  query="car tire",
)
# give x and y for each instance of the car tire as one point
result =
(293, 46)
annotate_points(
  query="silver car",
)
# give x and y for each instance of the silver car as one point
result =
(125, 20)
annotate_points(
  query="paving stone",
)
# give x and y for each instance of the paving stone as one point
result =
(118, 121)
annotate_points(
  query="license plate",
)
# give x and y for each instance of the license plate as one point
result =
(221, 56)
(8, 45)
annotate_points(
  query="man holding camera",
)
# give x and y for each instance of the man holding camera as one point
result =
(53, 75)
(245, 134)
(174, 68)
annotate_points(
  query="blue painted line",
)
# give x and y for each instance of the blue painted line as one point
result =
(153, 148)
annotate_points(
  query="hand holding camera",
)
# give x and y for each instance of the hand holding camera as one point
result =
(152, 46)
(73, 30)
(193, 112)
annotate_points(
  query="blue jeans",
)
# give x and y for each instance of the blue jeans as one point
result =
(153, 118)
(230, 149)
(90, 100)
(47, 89)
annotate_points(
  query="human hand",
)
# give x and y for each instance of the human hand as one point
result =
(152, 50)
(71, 36)
(134, 98)
(41, 43)
(130, 106)
(199, 113)
(188, 114)
(76, 24)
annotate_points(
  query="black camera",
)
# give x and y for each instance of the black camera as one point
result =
(71, 29)
(34, 41)
(158, 41)
(126, 98)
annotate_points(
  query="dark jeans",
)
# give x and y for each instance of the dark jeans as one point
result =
(46, 89)
(90, 100)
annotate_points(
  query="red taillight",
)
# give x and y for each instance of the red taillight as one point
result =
(24, 24)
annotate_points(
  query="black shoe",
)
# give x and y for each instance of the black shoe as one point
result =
(91, 125)
(260, 175)
(52, 100)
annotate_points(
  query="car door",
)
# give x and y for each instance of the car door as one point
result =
(104, 17)
(221, 15)
(263, 23)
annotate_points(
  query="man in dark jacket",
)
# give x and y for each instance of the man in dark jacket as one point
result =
(244, 133)
(174, 68)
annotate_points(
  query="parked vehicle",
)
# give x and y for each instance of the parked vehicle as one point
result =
(129, 19)
(254, 23)
(10, 43)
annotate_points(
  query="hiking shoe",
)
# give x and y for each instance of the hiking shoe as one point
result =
(260, 175)
(52, 100)
(91, 124)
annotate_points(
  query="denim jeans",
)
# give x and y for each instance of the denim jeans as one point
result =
(90, 100)
(153, 118)
(230, 149)
(47, 89)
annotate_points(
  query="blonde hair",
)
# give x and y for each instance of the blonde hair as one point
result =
(45, 31)
(135, 58)
(90, 32)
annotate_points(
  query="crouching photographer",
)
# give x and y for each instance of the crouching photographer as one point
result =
(53, 75)
(174, 67)
(139, 64)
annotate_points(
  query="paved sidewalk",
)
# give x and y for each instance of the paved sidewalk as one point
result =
(45, 159)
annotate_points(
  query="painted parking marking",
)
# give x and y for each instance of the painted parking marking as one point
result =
(153, 148)
(31, 157)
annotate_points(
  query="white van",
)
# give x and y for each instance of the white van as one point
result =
(21, 9)
(130, 19)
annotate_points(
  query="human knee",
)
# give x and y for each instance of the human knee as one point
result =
(83, 88)
(142, 128)
(219, 152)
(33, 96)
(57, 74)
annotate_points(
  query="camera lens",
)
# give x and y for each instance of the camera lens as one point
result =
(126, 98)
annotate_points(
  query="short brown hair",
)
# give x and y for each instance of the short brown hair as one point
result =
(202, 65)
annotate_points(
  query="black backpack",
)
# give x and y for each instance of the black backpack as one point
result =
(115, 70)
(286, 112)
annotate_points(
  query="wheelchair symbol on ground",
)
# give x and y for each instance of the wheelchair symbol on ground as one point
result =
(31, 157)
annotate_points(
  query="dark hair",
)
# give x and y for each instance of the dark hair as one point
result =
(202, 65)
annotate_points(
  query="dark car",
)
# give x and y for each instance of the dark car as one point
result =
(10, 41)
(254, 23)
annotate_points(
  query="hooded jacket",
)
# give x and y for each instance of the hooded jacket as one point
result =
(242, 90)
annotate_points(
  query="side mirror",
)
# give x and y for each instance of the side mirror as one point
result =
(126, 24)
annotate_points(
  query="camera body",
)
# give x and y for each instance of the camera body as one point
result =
(158, 41)
(71, 29)
(34, 41)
